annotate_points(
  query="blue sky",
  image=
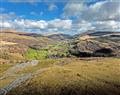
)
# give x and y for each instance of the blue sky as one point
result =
(25, 9)
(69, 17)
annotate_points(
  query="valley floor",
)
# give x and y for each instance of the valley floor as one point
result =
(64, 76)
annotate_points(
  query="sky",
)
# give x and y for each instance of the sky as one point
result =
(55, 16)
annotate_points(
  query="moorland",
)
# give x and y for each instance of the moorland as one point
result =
(59, 64)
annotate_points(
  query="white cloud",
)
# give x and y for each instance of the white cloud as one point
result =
(52, 7)
(107, 25)
(46, 26)
(58, 23)
(104, 10)
(53, 29)
(8, 16)
(5, 24)
(30, 24)
(42, 24)
(104, 15)
(73, 9)
(84, 26)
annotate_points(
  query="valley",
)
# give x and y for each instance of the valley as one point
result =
(58, 64)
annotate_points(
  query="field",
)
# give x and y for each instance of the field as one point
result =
(69, 76)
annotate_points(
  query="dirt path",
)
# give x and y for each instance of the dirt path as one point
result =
(11, 71)
(19, 80)
(14, 84)
(18, 67)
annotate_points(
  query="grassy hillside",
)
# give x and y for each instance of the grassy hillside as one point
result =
(61, 67)
(100, 44)
(17, 46)
(13, 44)
(92, 76)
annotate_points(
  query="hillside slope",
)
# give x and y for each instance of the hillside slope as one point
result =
(13, 44)
(78, 77)
(96, 44)
(60, 37)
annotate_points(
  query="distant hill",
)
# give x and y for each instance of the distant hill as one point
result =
(59, 37)
(27, 39)
(20, 33)
(96, 43)
(99, 33)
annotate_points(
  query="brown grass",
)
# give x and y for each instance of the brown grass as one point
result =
(81, 77)
(2, 43)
